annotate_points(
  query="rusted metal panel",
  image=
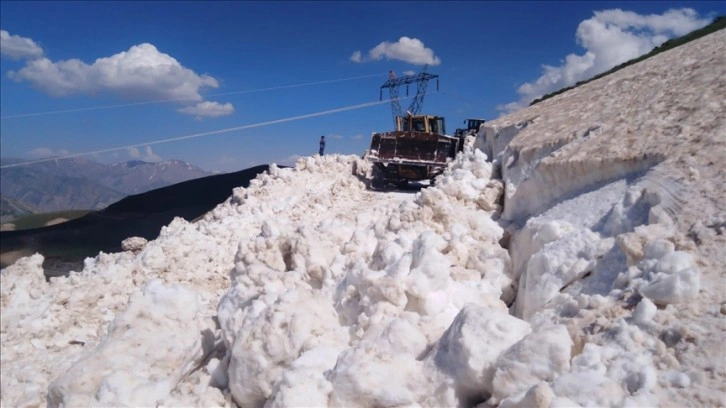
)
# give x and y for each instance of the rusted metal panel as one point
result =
(409, 155)
(443, 151)
(402, 146)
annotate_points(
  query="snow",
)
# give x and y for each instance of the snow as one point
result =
(469, 349)
(571, 255)
(672, 275)
(540, 356)
(118, 371)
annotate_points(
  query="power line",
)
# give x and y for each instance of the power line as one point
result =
(214, 132)
(273, 88)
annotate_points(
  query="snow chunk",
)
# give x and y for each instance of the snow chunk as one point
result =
(539, 396)
(395, 351)
(678, 379)
(540, 356)
(134, 244)
(271, 340)
(672, 275)
(366, 376)
(644, 312)
(587, 384)
(633, 243)
(469, 349)
(564, 253)
(149, 348)
(22, 288)
(303, 383)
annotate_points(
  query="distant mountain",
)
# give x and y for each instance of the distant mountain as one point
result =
(39, 187)
(140, 215)
(79, 183)
(11, 209)
(137, 176)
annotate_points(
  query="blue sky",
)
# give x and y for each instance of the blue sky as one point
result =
(184, 68)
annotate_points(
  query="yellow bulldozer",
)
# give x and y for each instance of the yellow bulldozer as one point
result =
(418, 149)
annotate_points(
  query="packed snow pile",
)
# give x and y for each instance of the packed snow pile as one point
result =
(571, 255)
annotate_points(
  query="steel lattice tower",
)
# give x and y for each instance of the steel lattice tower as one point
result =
(420, 80)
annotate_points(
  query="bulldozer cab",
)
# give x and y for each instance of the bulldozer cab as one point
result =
(421, 123)
(472, 127)
(474, 124)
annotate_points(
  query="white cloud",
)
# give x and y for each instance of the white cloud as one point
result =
(146, 155)
(357, 57)
(150, 156)
(17, 47)
(357, 137)
(610, 38)
(334, 136)
(409, 73)
(43, 152)
(675, 21)
(142, 72)
(411, 50)
(208, 109)
(134, 153)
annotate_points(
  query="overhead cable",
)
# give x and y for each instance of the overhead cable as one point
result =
(273, 88)
(195, 135)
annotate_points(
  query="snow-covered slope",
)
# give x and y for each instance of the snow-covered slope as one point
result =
(600, 282)
(623, 180)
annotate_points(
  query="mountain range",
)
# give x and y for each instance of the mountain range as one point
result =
(82, 184)
(141, 215)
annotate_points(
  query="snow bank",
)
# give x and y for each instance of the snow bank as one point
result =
(606, 237)
(384, 286)
(314, 281)
(493, 138)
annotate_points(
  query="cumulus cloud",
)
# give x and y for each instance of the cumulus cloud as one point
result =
(357, 57)
(208, 109)
(44, 152)
(609, 38)
(18, 48)
(146, 155)
(411, 50)
(140, 72)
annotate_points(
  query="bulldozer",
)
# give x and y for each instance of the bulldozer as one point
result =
(418, 149)
(472, 127)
